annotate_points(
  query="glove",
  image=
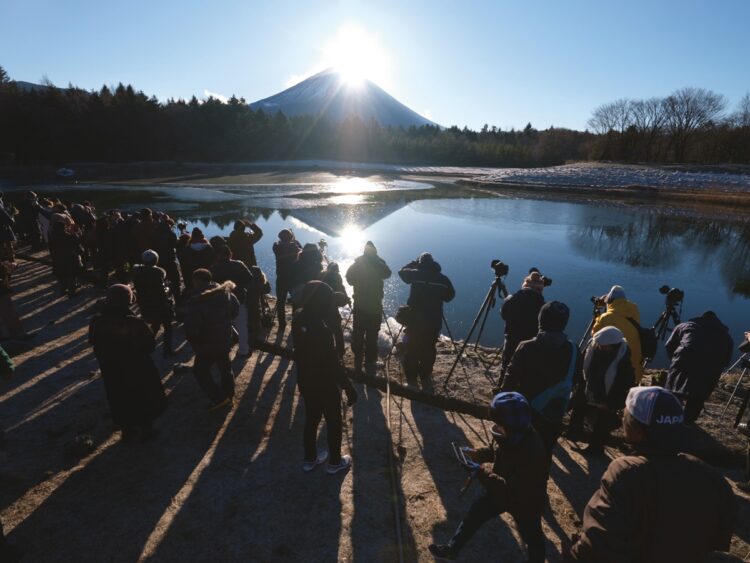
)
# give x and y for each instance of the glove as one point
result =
(351, 395)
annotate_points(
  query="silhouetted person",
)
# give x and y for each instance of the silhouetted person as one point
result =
(153, 297)
(658, 504)
(286, 250)
(332, 277)
(164, 243)
(429, 290)
(243, 243)
(197, 253)
(366, 276)
(123, 344)
(228, 269)
(211, 308)
(520, 311)
(517, 483)
(699, 350)
(65, 250)
(320, 376)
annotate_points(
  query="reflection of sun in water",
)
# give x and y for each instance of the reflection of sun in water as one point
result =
(347, 199)
(352, 240)
(355, 186)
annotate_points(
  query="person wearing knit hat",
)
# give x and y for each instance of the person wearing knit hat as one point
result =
(286, 250)
(123, 344)
(366, 276)
(657, 504)
(516, 484)
(624, 315)
(243, 243)
(197, 253)
(520, 312)
(545, 369)
(154, 300)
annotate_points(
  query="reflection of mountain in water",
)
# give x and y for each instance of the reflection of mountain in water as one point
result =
(333, 219)
(649, 241)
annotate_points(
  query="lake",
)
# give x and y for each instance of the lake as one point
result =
(584, 247)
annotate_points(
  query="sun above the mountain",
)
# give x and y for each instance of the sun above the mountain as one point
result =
(358, 56)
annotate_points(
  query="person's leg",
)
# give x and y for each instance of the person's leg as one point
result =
(411, 355)
(224, 363)
(693, 408)
(168, 346)
(281, 292)
(372, 330)
(240, 323)
(532, 535)
(202, 372)
(358, 338)
(313, 414)
(9, 316)
(332, 414)
(482, 510)
(509, 347)
(427, 354)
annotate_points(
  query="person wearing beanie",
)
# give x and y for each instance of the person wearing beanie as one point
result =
(227, 268)
(123, 344)
(366, 276)
(196, 254)
(243, 243)
(286, 250)
(520, 311)
(622, 314)
(164, 243)
(153, 297)
(211, 308)
(699, 350)
(607, 378)
(545, 369)
(430, 288)
(320, 377)
(657, 504)
(516, 484)
(66, 251)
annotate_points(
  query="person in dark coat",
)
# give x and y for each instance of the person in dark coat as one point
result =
(228, 269)
(243, 243)
(256, 304)
(320, 376)
(153, 297)
(164, 243)
(699, 350)
(123, 344)
(544, 370)
(658, 504)
(309, 266)
(429, 290)
(196, 254)
(331, 276)
(7, 234)
(520, 311)
(366, 276)
(517, 483)
(607, 377)
(286, 251)
(211, 308)
(65, 250)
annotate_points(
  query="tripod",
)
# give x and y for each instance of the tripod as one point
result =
(594, 316)
(670, 313)
(742, 359)
(498, 286)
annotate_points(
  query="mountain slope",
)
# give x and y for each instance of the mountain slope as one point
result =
(326, 93)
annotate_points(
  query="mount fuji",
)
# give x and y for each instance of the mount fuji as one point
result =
(328, 94)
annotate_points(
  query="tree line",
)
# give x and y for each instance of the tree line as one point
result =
(49, 125)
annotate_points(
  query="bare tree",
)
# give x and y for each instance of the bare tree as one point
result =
(741, 117)
(648, 121)
(688, 111)
(611, 117)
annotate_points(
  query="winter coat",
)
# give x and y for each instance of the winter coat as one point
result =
(243, 244)
(164, 242)
(366, 276)
(286, 257)
(123, 344)
(309, 266)
(429, 290)
(193, 257)
(597, 366)
(234, 271)
(152, 293)
(208, 318)
(6, 226)
(518, 480)
(65, 251)
(699, 349)
(654, 508)
(520, 312)
(617, 314)
(539, 364)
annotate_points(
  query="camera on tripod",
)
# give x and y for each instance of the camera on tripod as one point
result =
(598, 301)
(673, 295)
(545, 280)
(501, 269)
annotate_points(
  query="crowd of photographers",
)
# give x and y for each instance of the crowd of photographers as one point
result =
(656, 504)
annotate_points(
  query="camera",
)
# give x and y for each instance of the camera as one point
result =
(598, 301)
(545, 280)
(500, 268)
(673, 294)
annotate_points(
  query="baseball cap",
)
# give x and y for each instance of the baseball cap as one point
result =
(655, 407)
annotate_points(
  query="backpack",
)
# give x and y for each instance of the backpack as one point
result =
(648, 339)
(552, 403)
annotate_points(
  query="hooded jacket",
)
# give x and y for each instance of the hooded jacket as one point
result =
(151, 292)
(520, 312)
(617, 314)
(234, 271)
(699, 349)
(194, 256)
(429, 290)
(286, 257)
(657, 507)
(208, 319)
(366, 276)
(243, 244)
(608, 373)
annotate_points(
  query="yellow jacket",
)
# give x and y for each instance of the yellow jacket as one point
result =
(617, 315)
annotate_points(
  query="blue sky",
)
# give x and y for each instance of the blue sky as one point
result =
(460, 62)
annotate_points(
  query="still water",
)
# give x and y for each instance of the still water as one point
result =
(584, 247)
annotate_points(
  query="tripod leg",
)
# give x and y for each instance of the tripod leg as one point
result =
(734, 392)
(743, 408)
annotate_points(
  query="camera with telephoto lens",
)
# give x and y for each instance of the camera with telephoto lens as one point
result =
(500, 268)
(545, 280)
(674, 295)
(598, 301)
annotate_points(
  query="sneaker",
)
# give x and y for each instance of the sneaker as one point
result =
(220, 405)
(308, 466)
(442, 552)
(743, 486)
(343, 465)
(743, 428)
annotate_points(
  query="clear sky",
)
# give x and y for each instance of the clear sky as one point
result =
(502, 62)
